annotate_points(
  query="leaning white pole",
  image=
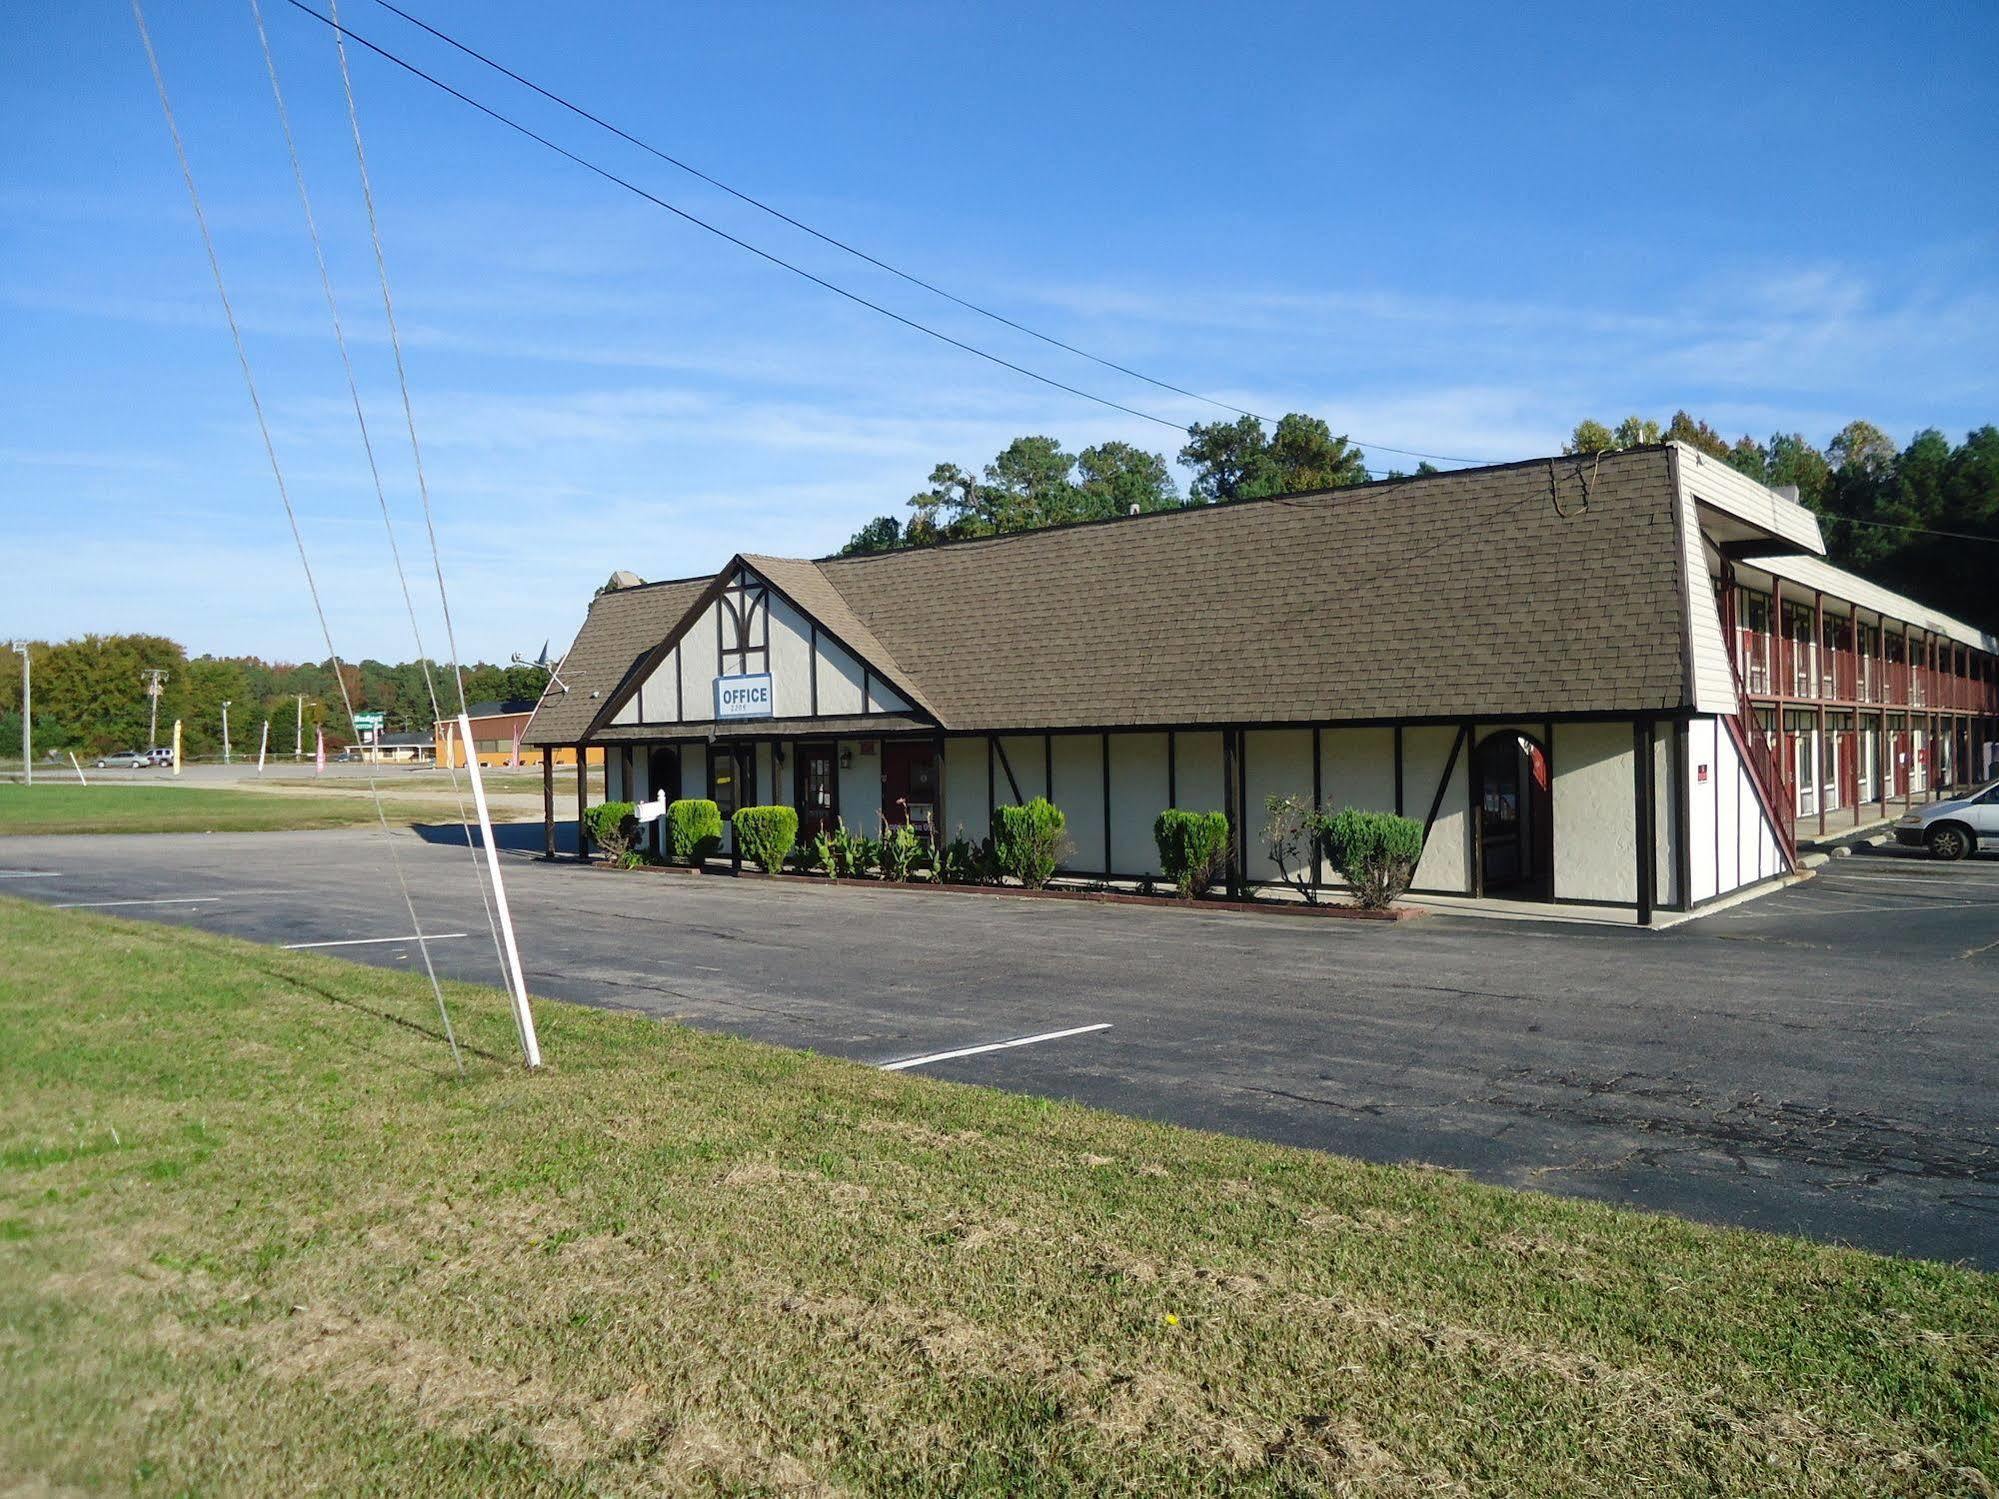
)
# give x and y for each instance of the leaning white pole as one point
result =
(523, 1016)
(77, 768)
(263, 745)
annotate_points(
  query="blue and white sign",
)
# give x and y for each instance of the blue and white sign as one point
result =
(743, 697)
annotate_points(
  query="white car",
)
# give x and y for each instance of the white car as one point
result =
(1956, 828)
(126, 760)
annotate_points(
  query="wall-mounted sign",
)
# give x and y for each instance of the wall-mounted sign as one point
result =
(743, 697)
(1702, 776)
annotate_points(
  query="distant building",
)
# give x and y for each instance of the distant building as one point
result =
(496, 736)
(397, 749)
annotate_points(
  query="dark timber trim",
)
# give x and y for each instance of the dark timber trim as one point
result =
(815, 668)
(1683, 835)
(1398, 771)
(1048, 766)
(1007, 766)
(1642, 806)
(1443, 782)
(1172, 769)
(1107, 800)
(547, 802)
(1318, 799)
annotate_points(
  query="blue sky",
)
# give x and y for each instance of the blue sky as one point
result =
(1453, 228)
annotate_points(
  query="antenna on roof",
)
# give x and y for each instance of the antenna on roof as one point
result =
(544, 664)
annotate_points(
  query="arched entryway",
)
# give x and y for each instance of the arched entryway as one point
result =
(1514, 817)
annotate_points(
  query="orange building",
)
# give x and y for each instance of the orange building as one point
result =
(496, 737)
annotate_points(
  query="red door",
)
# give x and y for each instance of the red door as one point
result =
(909, 785)
(818, 799)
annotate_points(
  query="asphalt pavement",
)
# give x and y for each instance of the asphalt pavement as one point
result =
(1817, 1061)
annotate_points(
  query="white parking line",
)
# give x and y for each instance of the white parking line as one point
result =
(180, 900)
(972, 1051)
(30, 874)
(1925, 882)
(374, 941)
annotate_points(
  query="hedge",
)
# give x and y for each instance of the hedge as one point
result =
(1376, 853)
(1193, 848)
(1028, 842)
(613, 827)
(693, 830)
(766, 835)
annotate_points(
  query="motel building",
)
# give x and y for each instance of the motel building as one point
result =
(1628, 681)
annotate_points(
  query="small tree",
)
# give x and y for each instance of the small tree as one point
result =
(766, 835)
(614, 828)
(1291, 831)
(693, 830)
(1029, 841)
(1376, 853)
(1193, 848)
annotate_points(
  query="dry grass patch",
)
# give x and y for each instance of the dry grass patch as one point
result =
(254, 1237)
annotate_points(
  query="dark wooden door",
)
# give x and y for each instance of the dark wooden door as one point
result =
(1515, 825)
(817, 791)
(662, 774)
(909, 785)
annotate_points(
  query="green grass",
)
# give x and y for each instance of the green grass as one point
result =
(200, 809)
(256, 1237)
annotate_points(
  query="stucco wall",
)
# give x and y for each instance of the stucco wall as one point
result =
(1138, 796)
(1426, 750)
(860, 787)
(1275, 762)
(1024, 753)
(1079, 792)
(965, 789)
(1595, 824)
(1197, 772)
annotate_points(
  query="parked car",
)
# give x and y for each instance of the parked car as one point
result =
(125, 760)
(1953, 829)
(163, 758)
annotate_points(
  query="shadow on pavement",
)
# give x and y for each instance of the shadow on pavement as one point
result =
(512, 837)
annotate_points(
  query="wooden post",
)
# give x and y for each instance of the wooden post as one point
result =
(1683, 851)
(582, 804)
(547, 802)
(1641, 798)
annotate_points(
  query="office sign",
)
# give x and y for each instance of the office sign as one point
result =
(743, 697)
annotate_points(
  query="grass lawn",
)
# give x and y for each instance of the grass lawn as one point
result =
(200, 809)
(256, 1236)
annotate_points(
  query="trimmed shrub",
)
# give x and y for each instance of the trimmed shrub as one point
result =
(693, 830)
(1193, 848)
(613, 827)
(766, 835)
(1375, 852)
(1029, 841)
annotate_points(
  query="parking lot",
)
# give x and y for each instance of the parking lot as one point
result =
(1816, 1061)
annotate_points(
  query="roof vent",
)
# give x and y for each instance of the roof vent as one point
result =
(622, 579)
(1134, 508)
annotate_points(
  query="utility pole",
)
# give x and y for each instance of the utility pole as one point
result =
(155, 679)
(298, 727)
(27, 715)
(225, 731)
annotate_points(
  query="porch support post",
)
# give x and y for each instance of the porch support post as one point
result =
(937, 823)
(1318, 795)
(582, 803)
(547, 802)
(1683, 852)
(1232, 809)
(1107, 804)
(1642, 791)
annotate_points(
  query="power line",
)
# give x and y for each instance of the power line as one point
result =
(720, 233)
(291, 515)
(368, 447)
(1888, 525)
(854, 250)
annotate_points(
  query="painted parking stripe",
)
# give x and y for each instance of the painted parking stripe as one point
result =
(972, 1051)
(179, 900)
(30, 874)
(375, 941)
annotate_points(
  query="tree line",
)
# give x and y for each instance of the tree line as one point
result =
(1921, 519)
(1035, 483)
(90, 695)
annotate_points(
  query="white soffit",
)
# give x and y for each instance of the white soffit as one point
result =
(1721, 489)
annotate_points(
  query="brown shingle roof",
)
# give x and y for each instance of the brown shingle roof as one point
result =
(620, 629)
(1463, 593)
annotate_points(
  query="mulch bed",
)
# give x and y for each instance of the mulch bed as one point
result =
(1100, 897)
